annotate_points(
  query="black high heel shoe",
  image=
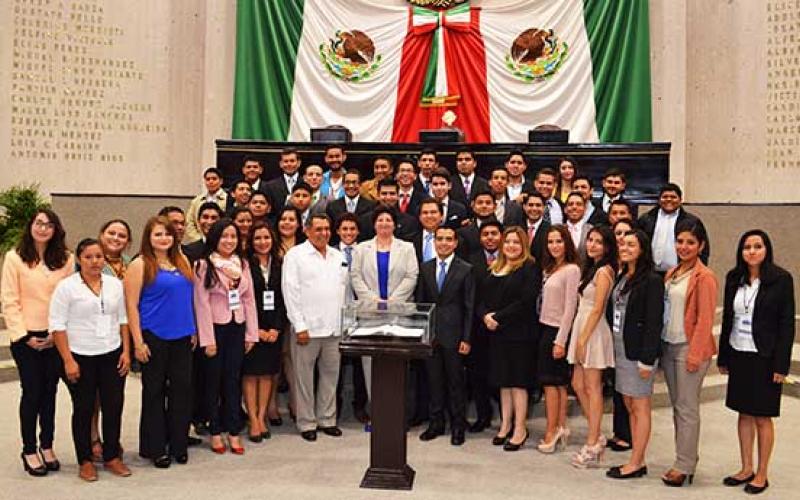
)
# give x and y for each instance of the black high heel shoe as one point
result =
(277, 421)
(509, 446)
(501, 440)
(53, 466)
(33, 471)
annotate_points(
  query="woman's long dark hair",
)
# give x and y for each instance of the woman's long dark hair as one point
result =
(570, 253)
(741, 272)
(274, 252)
(644, 264)
(212, 241)
(55, 253)
(299, 235)
(609, 257)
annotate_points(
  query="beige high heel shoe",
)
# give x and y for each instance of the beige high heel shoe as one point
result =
(545, 447)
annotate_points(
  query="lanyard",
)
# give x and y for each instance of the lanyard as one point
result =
(97, 294)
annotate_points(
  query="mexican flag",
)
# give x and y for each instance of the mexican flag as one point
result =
(386, 69)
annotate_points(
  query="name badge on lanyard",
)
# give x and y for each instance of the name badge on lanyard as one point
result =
(744, 323)
(667, 307)
(234, 300)
(617, 320)
(269, 300)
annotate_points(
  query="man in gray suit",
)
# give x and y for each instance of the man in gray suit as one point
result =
(448, 282)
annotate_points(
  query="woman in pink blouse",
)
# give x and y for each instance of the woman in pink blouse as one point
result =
(227, 326)
(561, 276)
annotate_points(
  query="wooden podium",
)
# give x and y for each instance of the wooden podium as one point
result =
(388, 468)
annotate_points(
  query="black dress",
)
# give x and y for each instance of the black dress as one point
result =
(751, 389)
(512, 347)
(265, 357)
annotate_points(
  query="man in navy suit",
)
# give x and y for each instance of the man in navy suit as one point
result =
(453, 212)
(352, 201)
(594, 214)
(448, 282)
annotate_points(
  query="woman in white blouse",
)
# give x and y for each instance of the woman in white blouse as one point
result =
(89, 326)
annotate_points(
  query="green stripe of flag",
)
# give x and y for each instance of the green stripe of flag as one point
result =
(267, 37)
(619, 40)
(429, 87)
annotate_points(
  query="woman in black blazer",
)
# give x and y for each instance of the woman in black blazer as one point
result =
(509, 314)
(263, 363)
(755, 349)
(636, 311)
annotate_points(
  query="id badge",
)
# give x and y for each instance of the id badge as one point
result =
(617, 320)
(234, 300)
(103, 330)
(269, 300)
(744, 324)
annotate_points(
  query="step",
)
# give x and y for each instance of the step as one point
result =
(8, 371)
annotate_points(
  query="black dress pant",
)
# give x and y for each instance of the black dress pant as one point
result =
(224, 380)
(359, 383)
(447, 385)
(39, 372)
(166, 397)
(478, 376)
(199, 405)
(98, 375)
(419, 393)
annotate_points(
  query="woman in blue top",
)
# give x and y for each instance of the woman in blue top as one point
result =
(158, 291)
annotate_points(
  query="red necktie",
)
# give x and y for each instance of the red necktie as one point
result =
(531, 233)
(404, 202)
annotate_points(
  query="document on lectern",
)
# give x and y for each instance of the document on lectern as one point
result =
(388, 331)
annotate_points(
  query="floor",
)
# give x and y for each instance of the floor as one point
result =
(287, 467)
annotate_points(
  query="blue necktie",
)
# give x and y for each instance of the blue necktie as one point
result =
(427, 249)
(442, 275)
(348, 255)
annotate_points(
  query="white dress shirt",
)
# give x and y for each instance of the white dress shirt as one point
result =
(314, 289)
(664, 255)
(606, 201)
(469, 179)
(92, 322)
(351, 203)
(514, 190)
(556, 215)
(575, 231)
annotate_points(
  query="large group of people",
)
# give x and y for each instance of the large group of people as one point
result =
(539, 289)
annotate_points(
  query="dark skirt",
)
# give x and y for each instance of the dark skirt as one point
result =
(512, 363)
(551, 371)
(750, 387)
(263, 359)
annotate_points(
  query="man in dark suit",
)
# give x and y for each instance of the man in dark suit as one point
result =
(467, 183)
(516, 165)
(406, 226)
(430, 217)
(409, 196)
(281, 187)
(207, 215)
(535, 225)
(614, 184)
(620, 209)
(506, 210)
(545, 183)
(660, 224)
(251, 172)
(594, 212)
(483, 209)
(453, 212)
(427, 162)
(448, 282)
(239, 196)
(352, 202)
(491, 235)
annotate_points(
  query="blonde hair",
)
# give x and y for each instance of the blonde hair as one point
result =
(505, 265)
